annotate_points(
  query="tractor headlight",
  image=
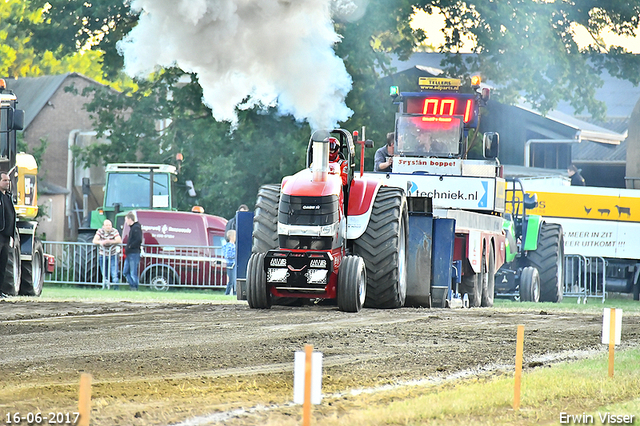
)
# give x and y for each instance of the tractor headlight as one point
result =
(277, 275)
(316, 276)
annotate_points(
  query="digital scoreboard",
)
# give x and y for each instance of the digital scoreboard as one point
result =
(444, 104)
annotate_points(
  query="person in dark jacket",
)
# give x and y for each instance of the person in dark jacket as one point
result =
(576, 177)
(132, 250)
(231, 224)
(7, 230)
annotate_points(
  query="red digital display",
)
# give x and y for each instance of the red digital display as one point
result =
(446, 105)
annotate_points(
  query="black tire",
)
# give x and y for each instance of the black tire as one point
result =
(258, 294)
(489, 281)
(548, 259)
(529, 285)
(352, 284)
(473, 283)
(12, 274)
(265, 219)
(85, 261)
(33, 272)
(383, 247)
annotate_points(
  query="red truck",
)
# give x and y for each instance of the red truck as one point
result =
(180, 249)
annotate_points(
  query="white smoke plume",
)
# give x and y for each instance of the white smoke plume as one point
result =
(248, 52)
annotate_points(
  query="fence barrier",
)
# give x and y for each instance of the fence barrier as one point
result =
(161, 267)
(585, 277)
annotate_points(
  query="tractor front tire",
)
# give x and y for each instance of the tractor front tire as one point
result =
(383, 247)
(352, 284)
(529, 285)
(548, 259)
(33, 272)
(258, 294)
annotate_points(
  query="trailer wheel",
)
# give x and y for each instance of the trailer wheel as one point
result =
(265, 219)
(352, 284)
(11, 284)
(529, 285)
(85, 261)
(33, 272)
(548, 259)
(383, 247)
(258, 294)
(489, 281)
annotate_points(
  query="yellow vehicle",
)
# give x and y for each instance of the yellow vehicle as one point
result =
(25, 268)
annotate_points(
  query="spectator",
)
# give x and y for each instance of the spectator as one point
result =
(383, 160)
(132, 250)
(229, 253)
(231, 224)
(7, 229)
(108, 238)
(576, 177)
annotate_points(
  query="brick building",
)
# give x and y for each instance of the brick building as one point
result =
(56, 115)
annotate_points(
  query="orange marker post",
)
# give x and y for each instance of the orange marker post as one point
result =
(612, 340)
(518, 375)
(84, 400)
(306, 406)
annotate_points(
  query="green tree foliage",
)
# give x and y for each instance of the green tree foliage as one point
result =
(20, 54)
(71, 26)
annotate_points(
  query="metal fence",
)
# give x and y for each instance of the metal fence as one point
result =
(161, 267)
(585, 277)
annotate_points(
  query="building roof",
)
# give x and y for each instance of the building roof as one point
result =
(34, 92)
(585, 131)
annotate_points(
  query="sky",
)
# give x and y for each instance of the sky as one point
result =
(432, 24)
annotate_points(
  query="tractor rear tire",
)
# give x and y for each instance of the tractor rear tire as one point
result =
(489, 281)
(530, 285)
(258, 294)
(549, 260)
(383, 247)
(265, 219)
(12, 274)
(352, 284)
(85, 261)
(33, 272)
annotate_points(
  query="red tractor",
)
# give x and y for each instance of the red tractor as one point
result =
(324, 234)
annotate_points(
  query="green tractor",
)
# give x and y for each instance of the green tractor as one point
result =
(128, 187)
(534, 266)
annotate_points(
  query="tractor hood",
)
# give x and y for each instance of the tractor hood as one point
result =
(302, 185)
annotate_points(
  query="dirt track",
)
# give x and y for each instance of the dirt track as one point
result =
(158, 364)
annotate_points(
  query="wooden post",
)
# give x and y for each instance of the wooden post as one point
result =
(84, 400)
(306, 406)
(612, 340)
(518, 375)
